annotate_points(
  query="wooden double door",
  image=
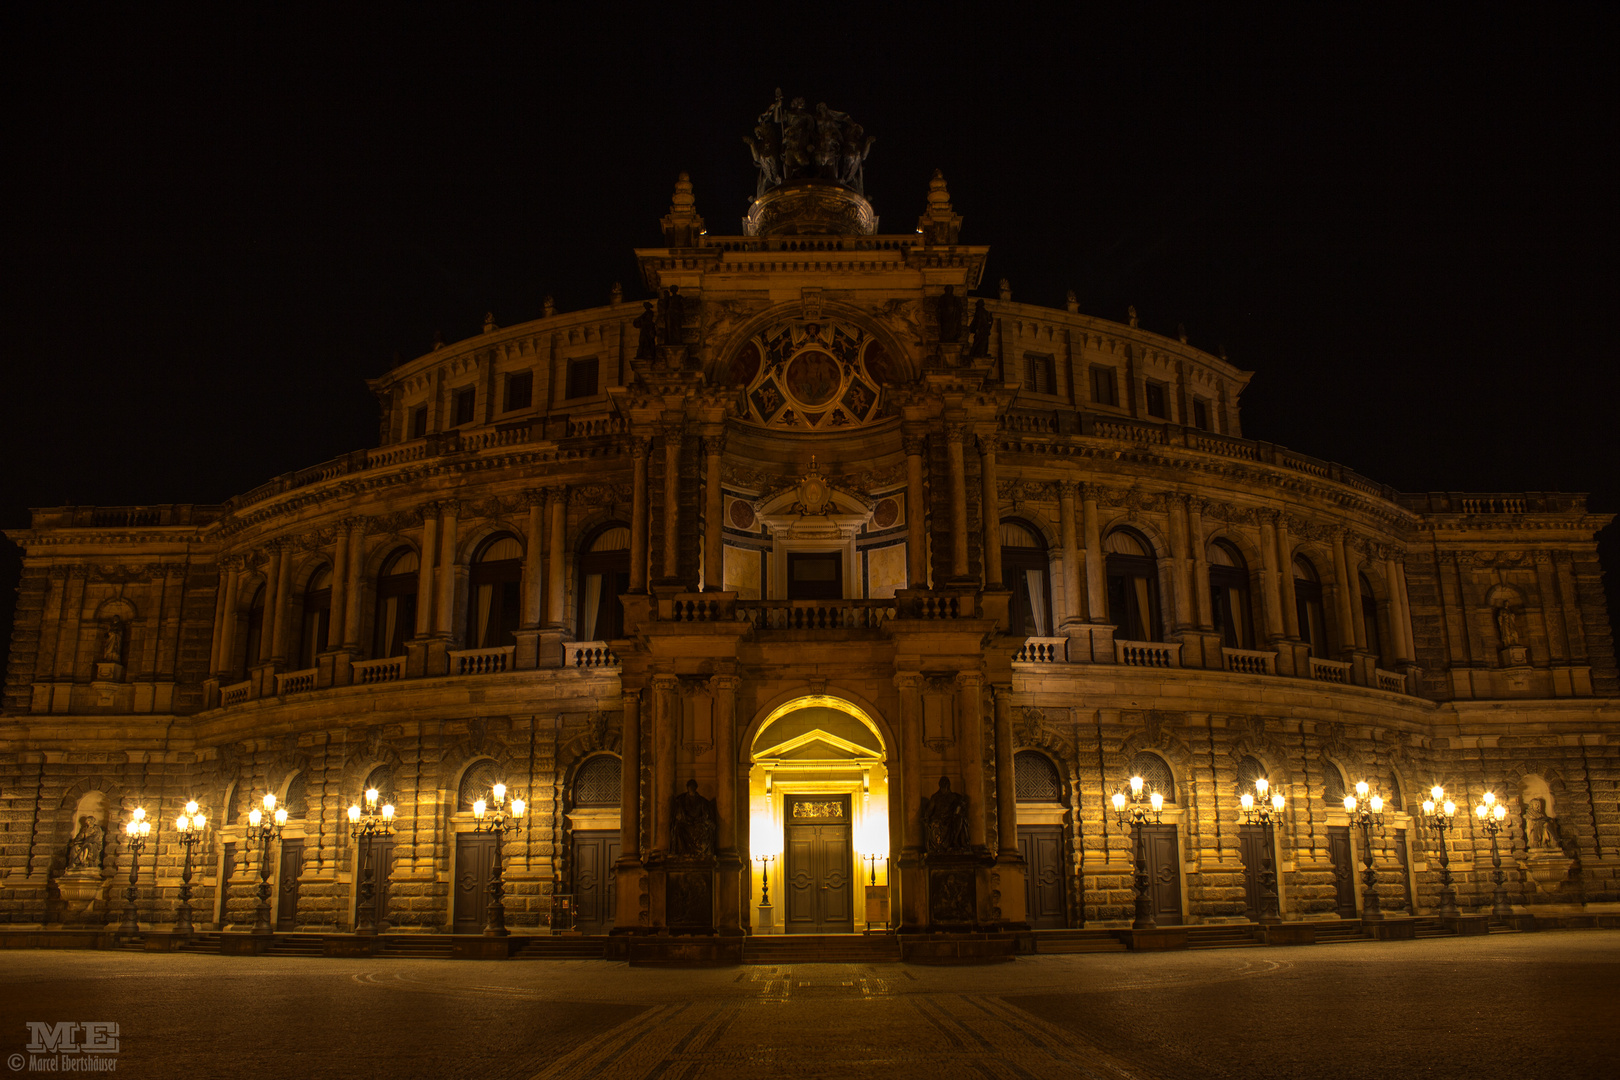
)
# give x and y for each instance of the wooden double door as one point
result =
(595, 852)
(1044, 875)
(475, 867)
(382, 869)
(292, 867)
(818, 865)
(1252, 846)
(1163, 853)
(1342, 856)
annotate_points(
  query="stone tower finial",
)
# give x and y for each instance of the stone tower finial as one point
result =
(939, 223)
(1130, 314)
(1071, 301)
(682, 225)
(616, 294)
(1005, 289)
(548, 307)
(489, 322)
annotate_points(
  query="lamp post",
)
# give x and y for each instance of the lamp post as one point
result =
(1438, 811)
(188, 830)
(765, 920)
(364, 824)
(1367, 810)
(1135, 812)
(263, 827)
(497, 820)
(1263, 807)
(135, 834)
(1491, 815)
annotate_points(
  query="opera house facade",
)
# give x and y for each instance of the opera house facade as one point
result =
(825, 592)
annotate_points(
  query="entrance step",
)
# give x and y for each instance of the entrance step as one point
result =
(200, 943)
(295, 945)
(414, 946)
(563, 948)
(1229, 936)
(1077, 941)
(820, 948)
(1340, 933)
(1432, 928)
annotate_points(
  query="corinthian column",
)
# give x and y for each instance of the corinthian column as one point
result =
(727, 823)
(424, 572)
(672, 500)
(1071, 553)
(357, 558)
(916, 516)
(991, 512)
(445, 607)
(640, 448)
(713, 567)
(959, 514)
(557, 504)
(666, 732)
(534, 541)
(1096, 584)
(971, 742)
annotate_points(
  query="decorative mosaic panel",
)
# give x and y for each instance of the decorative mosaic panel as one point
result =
(818, 810)
(813, 375)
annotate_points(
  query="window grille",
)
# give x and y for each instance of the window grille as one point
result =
(476, 783)
(597, 783)
(1153, 769)
(1035, 778)
(1248, 771)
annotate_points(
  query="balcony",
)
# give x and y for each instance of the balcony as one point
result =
(1249, 661)
(816, 614)
(1154, 654)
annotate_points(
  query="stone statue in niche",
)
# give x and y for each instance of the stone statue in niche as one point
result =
(672, 314)
(979, 327)
(647, 325)
(1541, 828)
(945, 825)
(84, 852)
(112, 649)
(948, 309)
(692, 824)
(1507, 627)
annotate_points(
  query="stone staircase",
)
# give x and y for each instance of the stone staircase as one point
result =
(1344, 932)
(414, 946)
(200, 943)
(1219, 936)
(562, 947)
(1077, 941)
(821, 949)
(1431, 928)
(295, 945)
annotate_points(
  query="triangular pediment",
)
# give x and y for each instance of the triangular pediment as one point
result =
(817, 745)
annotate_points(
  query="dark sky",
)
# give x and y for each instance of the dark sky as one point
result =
(220, 223)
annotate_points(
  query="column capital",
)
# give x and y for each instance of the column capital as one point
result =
(641, 446)
(356, 521)
(955, 433)
(969, 679)
(916, 445)
(908, 680)
(533, 497)
(665, 682)
(672, 429)
(724, 682)
(714, 445)
(986, 445)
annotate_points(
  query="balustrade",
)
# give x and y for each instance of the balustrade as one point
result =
(296, 682)
(1250, 661)
(371, 672)
(1042, 650)
(481, 661)
(589, 654)
(1334, 671)
(816, 614)
(234, 694)
(1393, 681)
(1155, 654)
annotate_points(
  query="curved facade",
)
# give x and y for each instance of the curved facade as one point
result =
(726, 585)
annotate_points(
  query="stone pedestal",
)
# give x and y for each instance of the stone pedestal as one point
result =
(1006, 893)
(1089, 643)
(109, 673)
(1199, 648)
(1514, 656)
(953, 883)
(688, 892)
(1549, 872)
(630, 897)
(82, 892)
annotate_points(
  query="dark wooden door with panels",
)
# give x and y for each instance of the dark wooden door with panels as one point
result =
(818, 872)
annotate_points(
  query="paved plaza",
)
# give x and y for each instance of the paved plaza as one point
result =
(1513, 1005)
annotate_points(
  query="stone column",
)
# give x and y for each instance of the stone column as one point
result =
(991, 513)
(1096, 583)
(1071, 553)
(970, 710)
(627, 902)
(1006, 781)
(1276, 627)
(913, 892)
(672, 501)
(557, 507)
(1181, 600)
(283, 603)
(534, 542)
(1552, 615)
(1285, 564)
(1399, 629)
(666, 733)
(713, 508)
(916, 516)
(445, 606)
(1203, 609)
(1570, 600)
(959, 514)
(357, 558)
(1342, 607)
(424, 574)
(728, 864)
(340, 592)
(224, 622)
(639, 448)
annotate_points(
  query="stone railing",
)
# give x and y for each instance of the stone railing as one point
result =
(588, 426)
(1042, 650)
(1156, 654)
(698, 607)
(481, 661)
(1393, 681)
(589, 654)
(816, 614)
(934, 605)
(1249, 661)
(371, 672)
(234, 694)
(1128, 430)
(296, 682)
(1334, 671)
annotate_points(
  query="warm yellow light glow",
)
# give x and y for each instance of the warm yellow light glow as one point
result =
(139, 814)
(191, 807)
(130, 828)
(1499, 812)
(1247, 800)
(499, 791)
(182, 823)
(198, 821)
(1136, 786)
(1437, 793)
(1361, 788)
(1490, 798)
(1262, 785)
(1277, 803)
(1378, 804)
(1428, 806)
(388, 811)
(146, 827)
(1350, 803)
(281, 817)
(764, 839)
(269, 801)
(478, 808)
(371, 796)
(1450, 808)
(1119, 800)
(255, 816)
(517, 807)
(354, 814)
(1157, 800)
(1481, 810)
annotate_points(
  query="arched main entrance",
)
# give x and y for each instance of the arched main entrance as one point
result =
(819, 809)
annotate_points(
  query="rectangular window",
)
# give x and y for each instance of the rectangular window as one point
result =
(582, 378)
(419, 422)
(1104, 390)
(1157, 401)
(519, 390)
(1200, 414)
(1038, 374)
(462, 403)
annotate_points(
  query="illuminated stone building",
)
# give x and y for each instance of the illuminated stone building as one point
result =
(813, 530)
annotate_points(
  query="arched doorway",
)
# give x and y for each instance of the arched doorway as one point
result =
(593, 821)
(819, 812)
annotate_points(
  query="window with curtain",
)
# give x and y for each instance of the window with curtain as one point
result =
(317, 620)
(1133, 587)
(254, 637)
(1369, 618)
(394, 621)
(1229, 596)
(1025, 570)
(495, 598)
(604, 576)
(1308, 605)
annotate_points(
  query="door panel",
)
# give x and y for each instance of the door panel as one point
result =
(818, 872)
(475, 859)
(1252, 845)
(292, 865)
(1344, 871)
(1042, 849)
(382, 867)
(1164, 873)
(594, 856)
(1406, 870)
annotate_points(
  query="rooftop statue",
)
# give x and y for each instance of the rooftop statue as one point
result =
(791, 142)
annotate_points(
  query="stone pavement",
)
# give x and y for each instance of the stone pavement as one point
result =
(1520, 1005)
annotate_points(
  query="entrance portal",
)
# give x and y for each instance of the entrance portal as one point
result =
(817, 859)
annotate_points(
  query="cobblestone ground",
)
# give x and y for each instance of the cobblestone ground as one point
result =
(1520, 1006)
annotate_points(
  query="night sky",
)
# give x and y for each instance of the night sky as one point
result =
(220, 224)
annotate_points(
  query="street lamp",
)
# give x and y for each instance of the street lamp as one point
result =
(1491, 815)
(1367, 810)
(365, 824)
(188, 830)
(1263, 807)
(765, 920)
(497, 820)
(135, 834)
(1438, 811)
(263, 827)
(1135, 812)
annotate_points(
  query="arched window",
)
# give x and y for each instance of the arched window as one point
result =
(597, 782)
(381, 778)
(1035, 778)
(1024, 567)
(1155, 771)
(317, 617)
(1369, 619)
(476, 783)
(604, 576)
(396, 604)
(1308, 605)
(1229, 596)
(495, 600)
(1248, 771)
(1133, 587)
(1394, 800)
(1332, 783)
(296, 801)
(254, 638)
